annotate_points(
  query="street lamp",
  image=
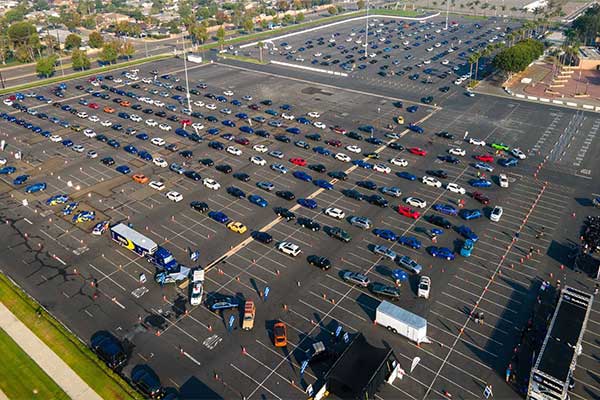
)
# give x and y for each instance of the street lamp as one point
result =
(187, 84)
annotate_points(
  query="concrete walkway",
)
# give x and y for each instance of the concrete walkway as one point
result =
(53, 365)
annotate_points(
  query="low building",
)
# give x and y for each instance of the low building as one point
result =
(107, 19)
(588, 58)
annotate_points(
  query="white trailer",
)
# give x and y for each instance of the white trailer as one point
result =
(194, 58)
(402, 322)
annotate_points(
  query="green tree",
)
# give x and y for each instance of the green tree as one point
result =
(199, 33)
(45, 66)
(360, 4)
(80, 60)
(15, 14)
(260, 50)
(20, 32)
(332, 10)
(95, 40)
(72, 41)
(288, 19)
(299, 18)
(221, 36)
(41, 5)
(126, 49)
(248, 24)
(109, 52)
(264, 24)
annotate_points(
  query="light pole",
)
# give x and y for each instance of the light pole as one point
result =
(187, 84)
(367, 31)
(447, 10)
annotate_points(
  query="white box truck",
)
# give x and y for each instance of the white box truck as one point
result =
(402, 322)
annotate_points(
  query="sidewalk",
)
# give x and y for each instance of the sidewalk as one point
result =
(53, 365)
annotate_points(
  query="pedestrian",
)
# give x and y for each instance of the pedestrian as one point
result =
(508, 372)
(481, 318)
(597, 288)
(298, 283)
(517, 234)
(530, 251)
(479, 174)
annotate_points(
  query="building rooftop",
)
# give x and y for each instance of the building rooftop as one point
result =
(589, 53)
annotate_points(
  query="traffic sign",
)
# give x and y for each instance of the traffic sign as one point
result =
(267, 290)
(231, 321)
(487, 393)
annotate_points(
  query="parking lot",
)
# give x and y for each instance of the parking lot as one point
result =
(92, 284)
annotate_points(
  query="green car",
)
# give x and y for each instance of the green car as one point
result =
(500, 146)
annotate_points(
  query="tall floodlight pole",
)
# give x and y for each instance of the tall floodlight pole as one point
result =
(367, 31)
(187, 84)
(447, 10)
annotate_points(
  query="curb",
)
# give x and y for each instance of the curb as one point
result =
(588, 107)
(323, 71)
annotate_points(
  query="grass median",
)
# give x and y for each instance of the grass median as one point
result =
(242, 58)
(65, 344)
(16, 365)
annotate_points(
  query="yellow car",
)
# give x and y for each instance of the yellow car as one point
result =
(399, 119)
(238, 227)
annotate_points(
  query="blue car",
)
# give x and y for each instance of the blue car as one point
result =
(308, 203)
(385, 234)
(445, 209)
(508, 162)
(412, 109)
(21, 179)
(271, 112)
(241, 115)
(218, 216)
(113, 143)
(303, 176)
(36, 187)
(415, 128)
(441, 252)
(124, 169)
(323, 184)
(367, 129)
(362, 164)
(467, 248)
(484, 166)
(322, 150)
(294, 130)
(410, 241)
(258, 200)
(228, 123)
(470, 214)
(304, 120)
(407, 175)
(67, 143)
(480, 183)
(57, 199)
(182, 132)
(142, 136)
(144, 155)
(7, 170)
(467, 233)
(213, 131)
(130, 149)
(246, 129)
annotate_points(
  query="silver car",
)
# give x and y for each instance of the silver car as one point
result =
(385, 252)
(356, 278)
(361, 222)
(410, 264)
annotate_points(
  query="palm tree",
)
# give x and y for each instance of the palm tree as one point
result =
(260, 51)
(484, 53)
(473, 58)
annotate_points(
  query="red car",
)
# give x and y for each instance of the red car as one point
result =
(243, 141)
(408, 212)
(186, 122)
(334, 143)
(485, 158)
(298, 161)
(339, 129)
(482, 198)
(254, 107)
(93, 106)
(418, 151)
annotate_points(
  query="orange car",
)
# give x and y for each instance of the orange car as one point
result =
(125, 103)
(109, 110)
(140, 178)
(280, 334)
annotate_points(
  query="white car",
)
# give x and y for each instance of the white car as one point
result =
(261, 148)
(92, 154)
(160, 162)
(158, 141)
(89, 133)
(496, 214)
(287, 116)
(382, 168)
(314, 114)
(156, 185)
(199, 103)
(228, 93)
(211, 106)
(399, 162)
(55, 138)
(106, 123)
(455, 188)
(445, 62)
(211, 184)
(158, 103)
(431, 181)
(416, 202)
(234, 150)
(353, 148)
(335, 212)
(457, 152)
(82, 114)
(342, 157)
(518, 153)
(258, 160)
(93, 118)
(165, 127)
(320, 125)
(503, 179)
(78, 148)
(289, 248)
(174, 196)
(3, 161)
(477, 142)
(8, 102)
(135, 118)
(427, 62)
(151, 122)
(424, 287)
(197, 126)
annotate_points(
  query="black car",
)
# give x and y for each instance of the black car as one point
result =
(396, 146)
(284, 213)
(285, 194)
(445, 135)
(101, 138)
(262, 133)
(315, 137)
(199, 206)
(172, 147)
(354, 135)
(136, 107)
(236, 192)
(439, 173)
(146, 381)
(283, 138)
(377, 200)
(367, 185)
(309, 224)
(207, 162)
(161, 114)
(108, 161)
(397, 104)
(439, 221)
(173, 118)
(450, 159)
(242, 176)
(374, 140)
(385, 290)
(186, 154)
(216, 145)
(353, 194)
(192, 175)
(319, 261)
(262, 237)
(148, 111)
(342, 176)
(444, 89)
(224, 168)
(109, 349)
(317, 167)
